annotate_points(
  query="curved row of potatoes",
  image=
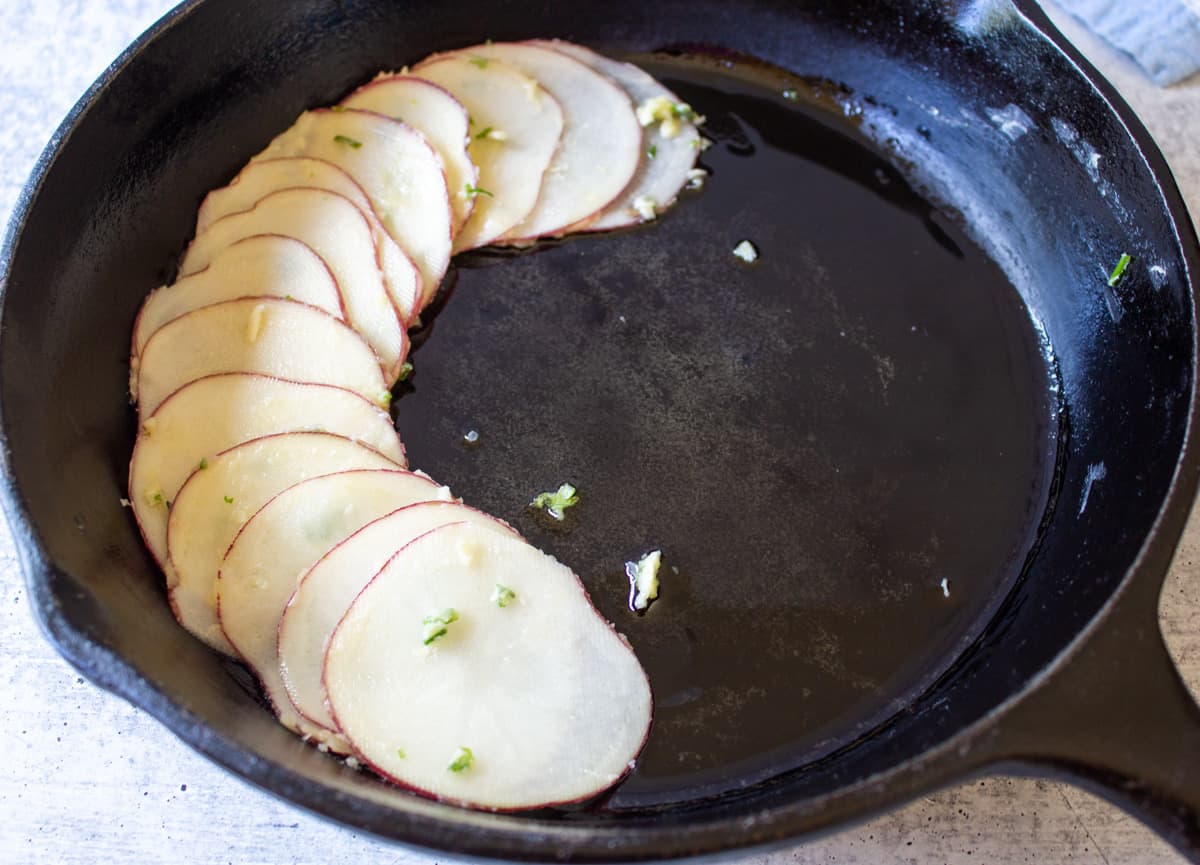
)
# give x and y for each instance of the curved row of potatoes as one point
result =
(385, 619)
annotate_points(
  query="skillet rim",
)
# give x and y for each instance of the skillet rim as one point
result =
(481, 835)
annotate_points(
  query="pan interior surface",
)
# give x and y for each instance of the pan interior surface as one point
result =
(844, 449)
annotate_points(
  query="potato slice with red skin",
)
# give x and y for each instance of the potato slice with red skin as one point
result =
(398, 170)
(526, 126)
(437, 115)
(282, 541)
(338, 232)
(666, 161)
(259, 179)
(268, 335)
(212, 414)
(331, 585)
(528, 699)
(216, 501)
(601, 144)
(263, 265)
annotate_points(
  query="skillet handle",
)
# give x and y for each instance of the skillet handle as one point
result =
(1117, 719)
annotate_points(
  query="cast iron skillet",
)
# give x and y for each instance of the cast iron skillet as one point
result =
(921, 470)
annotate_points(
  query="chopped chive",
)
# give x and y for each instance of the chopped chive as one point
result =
(1119, 270)
(479, 62)
(203, 462)
(484, 134)
(228, 500)
(406, 370)
(385, 399)
(476, 190)
(653, 151)
(348, 141)
(503, 595)
(400, 753)
(158, 498)
(437, 625)
(462, 760)
(555, 503)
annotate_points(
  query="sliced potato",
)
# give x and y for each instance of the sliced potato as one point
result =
(214, 503)
(259, 179)
(527, 698)
(338, 232)
(264, 265)
(667, 160)
(438, 116)
(398, 169)
(212, 414)
(601, 143)
(276, 337)
(280, 542)
(524, 126)
(328, 588)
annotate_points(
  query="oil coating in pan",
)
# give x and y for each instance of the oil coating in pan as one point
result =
(845, 448)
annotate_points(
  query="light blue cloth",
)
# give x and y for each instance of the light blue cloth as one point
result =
(1163, 36)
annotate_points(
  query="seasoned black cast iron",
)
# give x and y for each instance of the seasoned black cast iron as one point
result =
(920, 469)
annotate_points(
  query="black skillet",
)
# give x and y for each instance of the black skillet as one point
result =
(920, 468)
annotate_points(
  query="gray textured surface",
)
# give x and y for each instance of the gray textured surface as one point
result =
(86, 778)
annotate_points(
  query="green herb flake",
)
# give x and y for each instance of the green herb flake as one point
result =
(385, 399)
(555, 503)
(473, 190)
(348, 141)
(400, 753)
(437, 625)
(484, 134)
(1119, 270)
(683, 111)
(228, 500)
(502, 596)
(406, 371)
(462, 760)
(158, 498)
(479, 62)
(203, 462)
(337, 108)
(653, 151)
(790, 95)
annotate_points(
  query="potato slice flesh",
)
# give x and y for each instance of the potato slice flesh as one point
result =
(396, 167)
(264, 265)
(282, 541)
(326, 591)
(512, 159)
(212, 414)
(666, 160)
(266, 335)
(438, 116)
(550, 701)
(601, 143)
(338, 232)
(217, 500)
(259, 179)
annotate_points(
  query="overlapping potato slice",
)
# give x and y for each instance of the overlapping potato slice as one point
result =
(601, 143)
(215, 501)
(524, 696)
(267, 335)
(259, 179)
(395, 165)
(263, 265)
(524, 126)
(438, 116)
(338, 232)
(670, 148)
(326, 591)
(280, 542)
(212, 414)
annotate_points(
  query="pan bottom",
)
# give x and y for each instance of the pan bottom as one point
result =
(844, 449)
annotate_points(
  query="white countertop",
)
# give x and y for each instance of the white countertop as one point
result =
(87, 778)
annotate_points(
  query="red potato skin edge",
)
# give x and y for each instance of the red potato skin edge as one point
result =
(461, 803)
